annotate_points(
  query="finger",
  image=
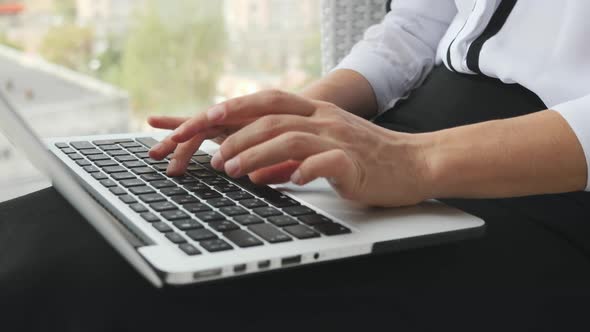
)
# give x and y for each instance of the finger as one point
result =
(183, 154)
(167, 145)
(288, 146)
(244, 109)
(335, 165)
(166, 122)
(261, 130)
(279, 173)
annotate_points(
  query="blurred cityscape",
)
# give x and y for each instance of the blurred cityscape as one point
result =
(83, 67)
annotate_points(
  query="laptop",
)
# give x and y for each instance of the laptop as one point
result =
(204, 225)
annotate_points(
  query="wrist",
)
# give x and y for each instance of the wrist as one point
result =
(432, 163)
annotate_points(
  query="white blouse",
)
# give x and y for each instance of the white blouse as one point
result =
(541, 45)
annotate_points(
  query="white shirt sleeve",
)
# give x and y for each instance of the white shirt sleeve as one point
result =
(396, 55)
(577, 114)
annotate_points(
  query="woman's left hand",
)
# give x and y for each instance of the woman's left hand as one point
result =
(274, 136)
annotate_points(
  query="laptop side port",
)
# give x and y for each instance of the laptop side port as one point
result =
(264, 264)
(291, 260)
(240, 268)
(207, 274)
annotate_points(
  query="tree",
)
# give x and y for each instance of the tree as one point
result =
(174, 55)
(68, 45)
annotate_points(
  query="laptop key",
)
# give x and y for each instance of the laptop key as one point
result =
(201, 234)
(123, 176)
(97, 157)
(61, 145)
(111, 141)
(152, 161)
(239, 195)
(207, 194)
(132, 183)
(138, 207)
(128, 199)
(174, 215)
(99, 176)
(175, 238)
(314, 219)
(163, 184)
(114, 169)
(88, 152)
(118, 191)
(150, 217)
(266, 212)
(110, 148)
(91, 169)
(149, 177)
(192, 187)
(282, 221)
(189, 249)
(209, 216)
(75, 156)
(196, 207)
(225, 188)
(233, 211)
(215, 245)
(108, 183)
(161, 167)
(106, 163)
(116, 153)
(252, 203)
(83, 162)
(184, 179)
(269, 233)
(151, 198)
(125, 157)
(68, 151)
(143, 170)
(184, 199)
(216, 181)
(186, 224)
(202, 173)
(147, 141)
(301, 232)
(163, 206)
(142, 155)
(173, 191)
(220, 202)
(242, 238)
(203, 159)
(82, 145)
(194, 167)
(133, 164)
(331, 229)
(141, 190)
(130, 144)
(138, 149)
(162, 227)
(248, 219)
(298, 210)
(223, 225)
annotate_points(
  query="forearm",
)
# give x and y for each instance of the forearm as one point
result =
(527, 155)
(347, 89)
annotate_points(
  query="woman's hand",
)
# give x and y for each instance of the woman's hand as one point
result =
(273, 136)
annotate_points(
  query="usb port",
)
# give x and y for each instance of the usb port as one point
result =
(240, 268)
(291, 260)
(264, 264)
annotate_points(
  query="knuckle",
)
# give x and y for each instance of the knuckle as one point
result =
(270, 123)
(274, 96)
(295, 140)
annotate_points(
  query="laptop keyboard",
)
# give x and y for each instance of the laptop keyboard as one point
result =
(203, 209)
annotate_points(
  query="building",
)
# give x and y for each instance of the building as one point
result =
(56, 102)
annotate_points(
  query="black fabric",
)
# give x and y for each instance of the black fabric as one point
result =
(58, 274)
(494, 26)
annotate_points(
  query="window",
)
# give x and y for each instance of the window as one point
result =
(74, 72)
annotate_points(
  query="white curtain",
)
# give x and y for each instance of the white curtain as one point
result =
(343, 24)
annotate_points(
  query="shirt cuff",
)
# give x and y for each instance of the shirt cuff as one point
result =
(384, 78)
(577, 115)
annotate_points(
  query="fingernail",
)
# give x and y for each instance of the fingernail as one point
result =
(156, 147)
(232, 166)
(172, 166)
(217, 161)
(296, 177)
(216, 113)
